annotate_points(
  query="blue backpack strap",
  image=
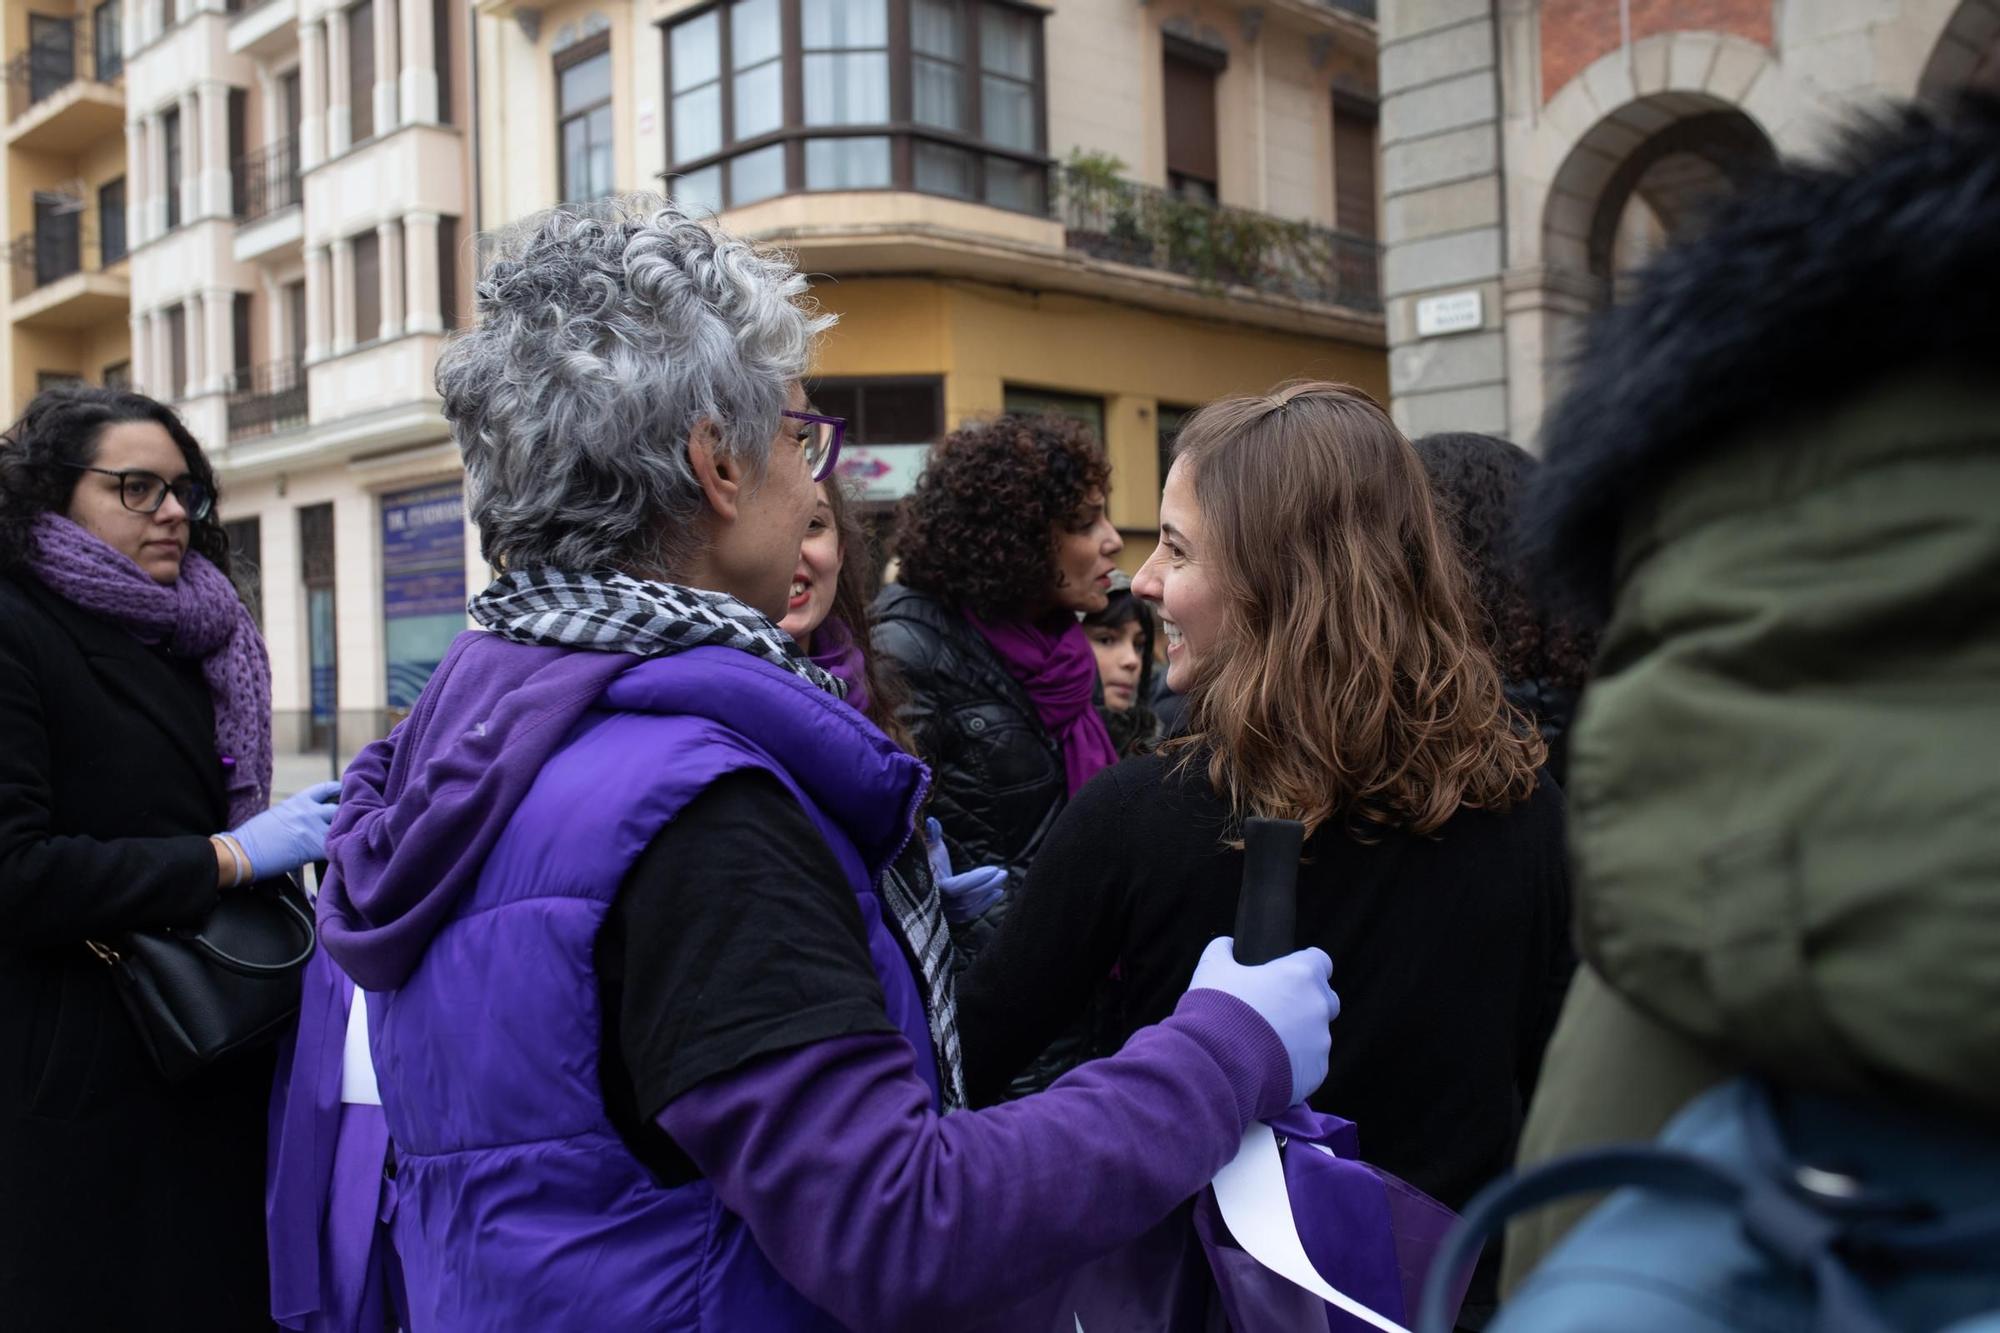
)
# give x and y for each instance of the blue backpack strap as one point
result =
(1812, 1221)
(1597, 1171)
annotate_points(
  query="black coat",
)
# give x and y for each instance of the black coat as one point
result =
(125, 1202)
(999, 781)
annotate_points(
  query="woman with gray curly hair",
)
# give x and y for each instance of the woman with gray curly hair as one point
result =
(654, 1052)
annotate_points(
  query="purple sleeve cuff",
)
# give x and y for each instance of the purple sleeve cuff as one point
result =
(891, 1217)
(1246, 1048)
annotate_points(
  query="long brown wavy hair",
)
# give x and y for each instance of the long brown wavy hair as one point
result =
(1351, 680)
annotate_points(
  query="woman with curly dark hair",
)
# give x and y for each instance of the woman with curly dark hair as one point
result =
(1003, 544)
(1543, 654)
(135, 724)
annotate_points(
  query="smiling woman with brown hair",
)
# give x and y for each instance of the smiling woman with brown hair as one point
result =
(1319, 623)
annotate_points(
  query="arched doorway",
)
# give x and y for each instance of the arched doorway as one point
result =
(1967, 53)
(1639, 178)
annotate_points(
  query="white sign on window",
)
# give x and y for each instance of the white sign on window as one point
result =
(1454, 312)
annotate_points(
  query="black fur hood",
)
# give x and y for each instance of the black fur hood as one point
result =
(1810, 286)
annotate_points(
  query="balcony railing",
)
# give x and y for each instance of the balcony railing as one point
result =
(1120, 220)
(1363, 8)
(58, 248)
(266, 399)
(266, 180)
(60, 55)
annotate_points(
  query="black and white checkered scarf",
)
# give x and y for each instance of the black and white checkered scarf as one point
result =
(616, 613)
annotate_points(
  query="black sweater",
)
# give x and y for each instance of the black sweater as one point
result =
(1450, 954)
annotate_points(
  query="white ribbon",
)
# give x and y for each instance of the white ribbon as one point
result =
(1255, 1203)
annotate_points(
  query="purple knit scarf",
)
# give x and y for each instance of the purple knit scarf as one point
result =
(835, 652)
(1059, 671)
(199, 615)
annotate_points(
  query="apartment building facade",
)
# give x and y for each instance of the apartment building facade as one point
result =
(63, 175)
(1535, 151)
(299, 212)
(1110, 209)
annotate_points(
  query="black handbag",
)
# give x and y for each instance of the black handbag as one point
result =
(198, 994)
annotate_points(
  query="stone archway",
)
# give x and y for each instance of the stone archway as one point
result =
(1967, 53)
(1621, 160)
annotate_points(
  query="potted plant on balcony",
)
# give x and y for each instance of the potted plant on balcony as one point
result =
(1100, 209)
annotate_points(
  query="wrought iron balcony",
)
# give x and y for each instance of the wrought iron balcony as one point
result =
(56, 249)
(61, 53)
(1119, 220)
(266, 399)
(266, 181)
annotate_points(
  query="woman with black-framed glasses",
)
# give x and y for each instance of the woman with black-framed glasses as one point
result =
(135, 724)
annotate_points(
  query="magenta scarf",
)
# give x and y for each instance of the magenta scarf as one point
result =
(1059, 671)
(836, 652)
(198, 616)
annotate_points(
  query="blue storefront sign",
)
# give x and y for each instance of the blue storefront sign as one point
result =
(423, 583)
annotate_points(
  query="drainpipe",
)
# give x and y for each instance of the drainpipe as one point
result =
(473, 109)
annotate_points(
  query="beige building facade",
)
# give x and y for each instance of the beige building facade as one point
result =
(1535, 150)
(300, 214)
(65, 286)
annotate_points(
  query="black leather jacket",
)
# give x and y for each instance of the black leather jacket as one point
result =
(998, 778)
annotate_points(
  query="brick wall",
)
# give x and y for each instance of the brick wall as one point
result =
(1577, 32)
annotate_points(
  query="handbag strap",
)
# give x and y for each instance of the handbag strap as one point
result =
(244, 966)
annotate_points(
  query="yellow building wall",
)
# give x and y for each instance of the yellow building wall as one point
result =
(983, 338)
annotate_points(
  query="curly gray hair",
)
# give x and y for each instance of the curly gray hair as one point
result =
(605, 334)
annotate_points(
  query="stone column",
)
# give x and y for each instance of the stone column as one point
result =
(1442, 222)
(339, 127)
(387, 63)
(191, 153)
(142, 352)
(138, 189)
(219, 316)
(312, 94)
(161, 384)
(419, 82)
(197, 358)
(216, 169)
(389, 244)
(420, 265)
(344, 335)
(319, 303)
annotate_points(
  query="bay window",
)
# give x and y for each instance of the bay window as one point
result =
(767, 97)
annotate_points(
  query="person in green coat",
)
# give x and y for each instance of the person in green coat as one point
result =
(1777, 471)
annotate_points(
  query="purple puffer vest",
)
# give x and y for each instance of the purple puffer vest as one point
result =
(519, 1205)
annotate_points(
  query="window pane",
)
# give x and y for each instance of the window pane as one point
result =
(942, 170)
(1008, 111)
(587, 81)
(1015, 185)
(576, 159)
(833, 23)
(700, 189)
(698, 123)
(847, 164)
(939, 94)
(757, 175)
(601, 170)
(753, 32)
(847, 89)
(936, 29)
(902, 413)
(1007, 42)
(760, 100)
(696, 59)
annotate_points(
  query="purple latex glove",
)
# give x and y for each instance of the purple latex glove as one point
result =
(969, 896)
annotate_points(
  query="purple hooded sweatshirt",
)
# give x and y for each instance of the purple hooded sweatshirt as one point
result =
(476, 854)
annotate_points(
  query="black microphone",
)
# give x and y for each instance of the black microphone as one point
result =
(1267, 909)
